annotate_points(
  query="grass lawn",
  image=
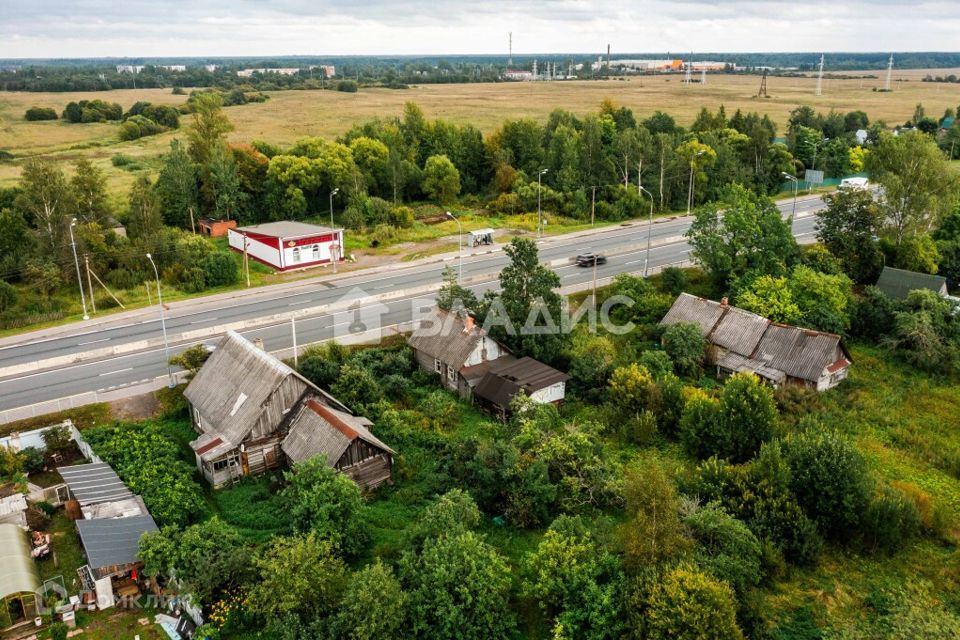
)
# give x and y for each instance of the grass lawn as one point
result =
(117, 624)
(67, 554)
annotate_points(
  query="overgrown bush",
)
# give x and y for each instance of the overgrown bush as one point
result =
(35, 114)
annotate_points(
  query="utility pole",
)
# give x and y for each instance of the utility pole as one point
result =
(163, 323)
(76, 262)
(662, 151)
(646, 259)
(86, 263)
(460, 246)
(820, 78)
(332, 193)
(246, 261)
(539, 209)
(510, 56)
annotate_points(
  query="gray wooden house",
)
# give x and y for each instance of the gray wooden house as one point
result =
(244, 403)
(448, 344)
(780, 354)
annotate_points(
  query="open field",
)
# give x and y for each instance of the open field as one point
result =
(290, 115)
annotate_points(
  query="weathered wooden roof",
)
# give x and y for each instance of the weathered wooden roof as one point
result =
(447, 337)
(739, 331)
(748, 342)
(898, 283)
(501, 384)
(800, 353)
(689, 308)
(321, 430)
(232, 386)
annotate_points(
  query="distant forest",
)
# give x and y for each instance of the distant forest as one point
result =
(100, 74)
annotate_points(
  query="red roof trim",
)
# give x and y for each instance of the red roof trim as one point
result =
(332, 419)
(210, 445)
(838, 365)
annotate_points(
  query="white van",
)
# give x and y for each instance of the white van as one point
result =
(854, 183)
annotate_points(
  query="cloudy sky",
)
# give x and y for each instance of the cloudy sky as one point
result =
(91, 28)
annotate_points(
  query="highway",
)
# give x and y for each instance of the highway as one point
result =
(625, 247)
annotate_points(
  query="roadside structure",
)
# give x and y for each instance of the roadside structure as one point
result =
(253, 413)
(288, 245)
(898, 283)
(780, 354)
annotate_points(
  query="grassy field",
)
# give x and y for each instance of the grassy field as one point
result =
(290, 115)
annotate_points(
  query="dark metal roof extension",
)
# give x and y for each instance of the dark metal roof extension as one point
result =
(500, 385)
(94, 483)
(113, 541)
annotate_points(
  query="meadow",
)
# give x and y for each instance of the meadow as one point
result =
(290, 115)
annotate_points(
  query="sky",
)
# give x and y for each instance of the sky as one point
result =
(134, 28)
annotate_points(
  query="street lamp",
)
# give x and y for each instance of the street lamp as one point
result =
(646, 260)
(163, 323)
(76, 262)
(690, 191)
(460, 251)
(794, 180)
(332, 193)
(539, 210)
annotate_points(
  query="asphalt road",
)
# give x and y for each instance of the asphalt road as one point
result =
(145, 366)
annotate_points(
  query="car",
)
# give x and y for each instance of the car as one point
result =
(590, 259)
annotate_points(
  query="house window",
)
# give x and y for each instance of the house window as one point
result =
(438, 366)
(451, 374)
(220, 465)
(296, 254)
(316, 252)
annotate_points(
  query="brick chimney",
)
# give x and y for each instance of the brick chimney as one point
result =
(468, 323)
(724, 302)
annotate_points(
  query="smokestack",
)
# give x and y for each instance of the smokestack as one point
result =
(468, 324)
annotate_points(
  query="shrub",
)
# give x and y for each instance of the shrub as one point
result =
(673, 280)
(727, 549)
(828, 476)
(220, 269)
(327, 503)
(8, 296)
(454, 512)
(348, 86)
(35, 114)
(686, 347)
(138, 127)
(57, 439)
(374, 606)
(32, 459)
(689, 605)
(653, 532)
(459, 587)
(401, 216)
(120, 160)
(58, 631)
(891, 520)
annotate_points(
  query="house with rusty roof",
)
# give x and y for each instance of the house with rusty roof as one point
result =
(245, 403)
(780, 354)
(449, 344)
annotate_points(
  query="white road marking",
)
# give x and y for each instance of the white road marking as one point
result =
(202, 321)
(295, 304)
(80, 344)
(110, 373)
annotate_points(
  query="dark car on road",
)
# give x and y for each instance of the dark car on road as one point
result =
(590, 259)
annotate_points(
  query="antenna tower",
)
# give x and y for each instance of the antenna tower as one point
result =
(886, 86)
(820, 78)
(763, 86)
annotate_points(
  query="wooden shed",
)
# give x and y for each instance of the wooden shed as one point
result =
(344, 440)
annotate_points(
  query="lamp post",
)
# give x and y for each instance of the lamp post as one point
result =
(794, 180)
(816, 147)
(76, 262)
(163, 323)
(332, 193)
(690, 191)
(646, 260)
(460, 250)
(539, 210)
